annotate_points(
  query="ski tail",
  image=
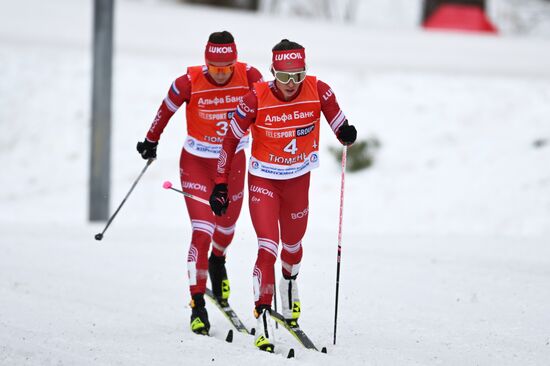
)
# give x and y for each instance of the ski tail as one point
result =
(295, 331)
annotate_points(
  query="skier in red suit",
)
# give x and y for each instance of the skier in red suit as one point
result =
(284, 118)
(211, 91)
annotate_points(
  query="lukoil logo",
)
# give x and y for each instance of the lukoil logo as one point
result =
(194, 186)
(261, 190)
(328, 94)
(225, 49)
(244, 107)
(288, 56)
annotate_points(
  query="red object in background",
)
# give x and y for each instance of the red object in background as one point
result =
(460, 17)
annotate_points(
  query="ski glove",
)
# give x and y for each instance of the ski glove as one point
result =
(218, 199)
(147, 149)
(347, 134)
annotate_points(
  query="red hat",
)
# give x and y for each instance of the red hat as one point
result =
(226, 52)
(284, 60)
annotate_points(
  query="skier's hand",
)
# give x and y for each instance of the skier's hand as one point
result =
(347, 134)
(147, 149)
(218, 199)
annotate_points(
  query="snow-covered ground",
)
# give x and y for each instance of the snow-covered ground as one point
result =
(446, 256)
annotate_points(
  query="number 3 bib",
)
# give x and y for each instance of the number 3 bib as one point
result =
(210, 109)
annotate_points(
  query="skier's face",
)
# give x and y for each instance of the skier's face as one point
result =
(221, 72)
(290, 88)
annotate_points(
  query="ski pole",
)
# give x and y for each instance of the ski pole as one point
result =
(275, 294)
(338, 257)
(99, 236)
(168, 185)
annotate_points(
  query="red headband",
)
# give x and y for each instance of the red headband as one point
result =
(289, 59)
(220, 52)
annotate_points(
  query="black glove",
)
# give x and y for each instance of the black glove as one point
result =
(218, 199)
(347, 134)
(147, 149)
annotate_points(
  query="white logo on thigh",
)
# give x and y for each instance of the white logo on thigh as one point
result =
(299, 215)
(261, 190)
(194, 186)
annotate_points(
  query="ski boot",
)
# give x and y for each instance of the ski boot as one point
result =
(199, 315)
(218, 279)
(264, 329)
(290, 300)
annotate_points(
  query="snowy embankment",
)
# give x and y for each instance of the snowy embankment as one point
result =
(446, 257)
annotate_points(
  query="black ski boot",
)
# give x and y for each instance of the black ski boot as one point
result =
(199, 315)
(218, 279)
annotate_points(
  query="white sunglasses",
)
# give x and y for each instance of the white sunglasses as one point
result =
(285, 76)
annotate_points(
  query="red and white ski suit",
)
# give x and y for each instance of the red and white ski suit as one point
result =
(208, 112)
(285, 140)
